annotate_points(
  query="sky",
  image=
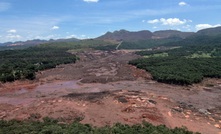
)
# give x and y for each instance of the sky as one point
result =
(22, 20)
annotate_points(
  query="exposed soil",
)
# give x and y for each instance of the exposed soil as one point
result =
(102, 89)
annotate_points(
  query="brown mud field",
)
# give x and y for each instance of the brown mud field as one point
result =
(102, 89)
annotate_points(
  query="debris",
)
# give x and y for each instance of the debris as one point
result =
(170, 114)
(144, 116)
(16, 109)
(217, 126)
(3, 115)
(125, 119)
(212, 119)
(177, 109)
(34, 116)
(197, 118)
(144, 98)
(134, 105)
(182, 104)
(204, 111)
(188, 113)
(187, 116)
(128, 110)
(152, 101)
(122, 99)
(138, 99)
(163, 98)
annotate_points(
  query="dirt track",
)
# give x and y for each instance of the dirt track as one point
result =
(102, 89)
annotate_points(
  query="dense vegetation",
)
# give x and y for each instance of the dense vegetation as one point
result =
(140, 44)
(106, 47)
(2, 48)
(90, 43)
(190, 63)
(146, 44)
(195, 40)
(50, 126)
(181, 71)
(22, 64)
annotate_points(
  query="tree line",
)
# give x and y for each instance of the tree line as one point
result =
(22, 64)
(196, 58)
(51, 126)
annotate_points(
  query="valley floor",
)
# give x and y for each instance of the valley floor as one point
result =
(102, 89)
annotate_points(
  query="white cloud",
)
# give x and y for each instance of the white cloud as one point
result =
(182, 4)
(4, 6)
(91, 1)
(169, 21)
(11, 36)
(187, 27)
(55, 27)
(172, 21)
(204, 26)
(153, 21)
(71, 36)
(47, 37)
(12, 31)
(30, 27)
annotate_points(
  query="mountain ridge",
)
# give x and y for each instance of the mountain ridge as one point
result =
(210, 31)
(143, 35)
(36, 42)
(125, 35)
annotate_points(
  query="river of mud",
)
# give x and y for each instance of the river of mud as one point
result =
(104, 90)
(26, 95)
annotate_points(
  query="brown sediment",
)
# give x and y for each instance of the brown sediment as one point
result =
(102, 89)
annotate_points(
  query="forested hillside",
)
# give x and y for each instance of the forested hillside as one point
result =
(22, 64)
(197, 57)
(146, 44)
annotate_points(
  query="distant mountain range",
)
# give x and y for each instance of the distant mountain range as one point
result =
(124, 35)
(210, 31)
(143, 35)
(36, 42)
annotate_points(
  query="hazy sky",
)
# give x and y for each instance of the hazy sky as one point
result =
(46, 19)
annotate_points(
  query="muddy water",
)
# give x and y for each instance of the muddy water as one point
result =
(16, 101)
(56, 86)
(24, 95)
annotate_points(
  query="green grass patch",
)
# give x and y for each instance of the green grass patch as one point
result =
(200, 55)
(157, 55)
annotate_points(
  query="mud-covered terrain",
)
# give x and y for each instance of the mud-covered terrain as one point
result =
(102, 89)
